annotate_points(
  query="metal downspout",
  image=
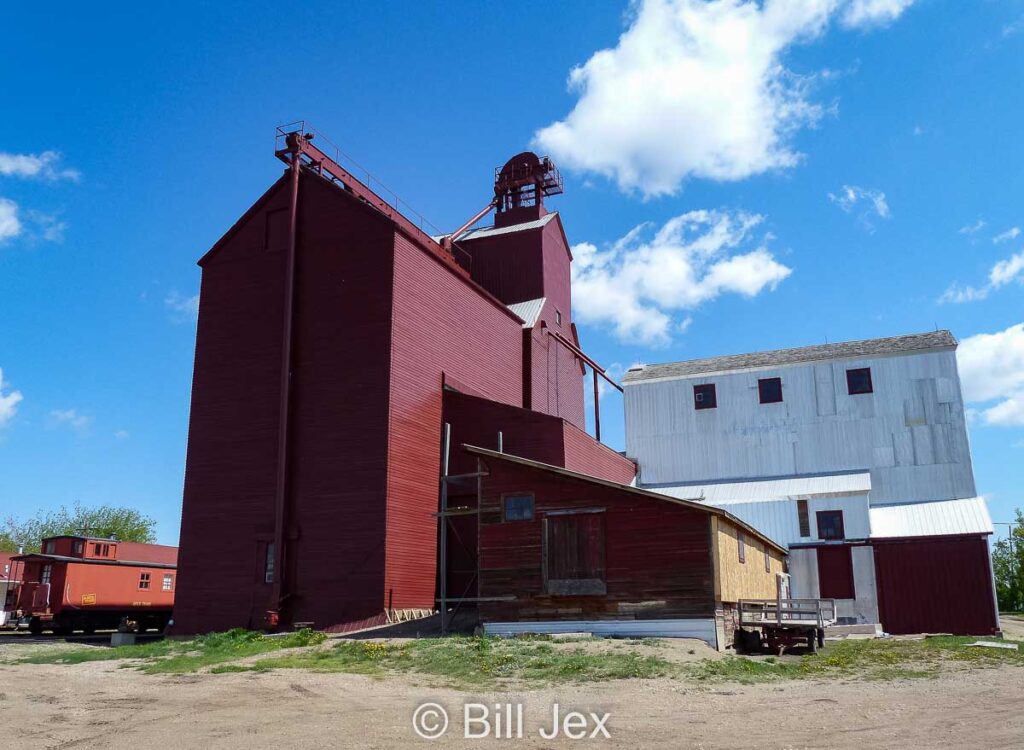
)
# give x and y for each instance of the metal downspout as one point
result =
(279, 591)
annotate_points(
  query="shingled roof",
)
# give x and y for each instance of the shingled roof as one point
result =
(845, 350)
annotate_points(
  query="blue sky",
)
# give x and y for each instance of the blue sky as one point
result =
(834, 169)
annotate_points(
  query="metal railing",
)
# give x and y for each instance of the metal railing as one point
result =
(388, 195)
(783, 612)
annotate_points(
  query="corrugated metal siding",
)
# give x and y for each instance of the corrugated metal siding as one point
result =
(935, 586)
(951, 517)
(440, 324)
(657, 555)
(232, 444)
(529, 311)
(910, 433)
(833, 485)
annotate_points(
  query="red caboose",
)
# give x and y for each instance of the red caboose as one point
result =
(83, 583)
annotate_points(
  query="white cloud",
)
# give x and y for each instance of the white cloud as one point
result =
(45, 165)
(696, 89)
(1002, 273)
(121, 435)
(973, 228)
(1010, 234)
(992, 373)
(9, 401)
(71, 418)
(635, 286)
(863, 13)
(10, 225)
(183, 308)
(867, 203)
(1011, 29)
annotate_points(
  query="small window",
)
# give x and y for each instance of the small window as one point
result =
(517, 507)
(704, 396)
(268, 564)
(79, 547)
(741, 546)
(769, 390)
(859, 381)
(44, 577)
(49, 548)
(144, 580)
(830, 524)
(558, 317)
(804, 517)
(767, 560)
(168, 582)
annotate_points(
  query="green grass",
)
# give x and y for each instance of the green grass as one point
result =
(480, 662)
(862, 659)
(179, 656)
(477, 661)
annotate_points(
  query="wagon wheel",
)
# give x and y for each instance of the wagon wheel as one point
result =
(35, 626)
(812, 642)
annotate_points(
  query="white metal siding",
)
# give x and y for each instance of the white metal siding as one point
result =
(967, 516)
(910, 433)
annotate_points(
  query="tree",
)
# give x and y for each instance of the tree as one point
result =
(127, 524)
(1008, 568)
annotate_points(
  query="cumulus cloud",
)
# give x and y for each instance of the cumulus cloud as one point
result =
(45, 165)
(638, 285)
(697, 89)
(71, 418)
(1002, 273)
(182, 308)
(10, 224)
(866, 13)
(9, 401)
(867, 203)
(992, 373)
(1010, 234)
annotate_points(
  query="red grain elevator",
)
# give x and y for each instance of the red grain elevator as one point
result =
(330, 325)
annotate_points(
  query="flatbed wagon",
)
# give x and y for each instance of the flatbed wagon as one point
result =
(783, 622)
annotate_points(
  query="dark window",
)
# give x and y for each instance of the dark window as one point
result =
(143, 580)
(45, 575)
(574, 553)
(804, 516)
(859, 381)
(49, 548)
(79, 546)
(767, 560)
(830, 524)
(558, 317)
(769, 390)
(268, 564)
(835, 572)
(704, 396)
(517, 507)
(741, 546)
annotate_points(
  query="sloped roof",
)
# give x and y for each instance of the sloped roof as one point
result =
(529, 310)
(758, 360)
(776, 488)
(941, 518)
(492, 231)
(575, 475)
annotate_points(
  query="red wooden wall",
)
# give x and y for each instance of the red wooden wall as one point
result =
(936, 585)
(657, 555)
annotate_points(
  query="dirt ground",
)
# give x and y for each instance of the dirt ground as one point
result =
(100, 705)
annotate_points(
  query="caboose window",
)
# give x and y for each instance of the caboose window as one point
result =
(143, 580)
(79, 546)
(168, 582)
(44, 577)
